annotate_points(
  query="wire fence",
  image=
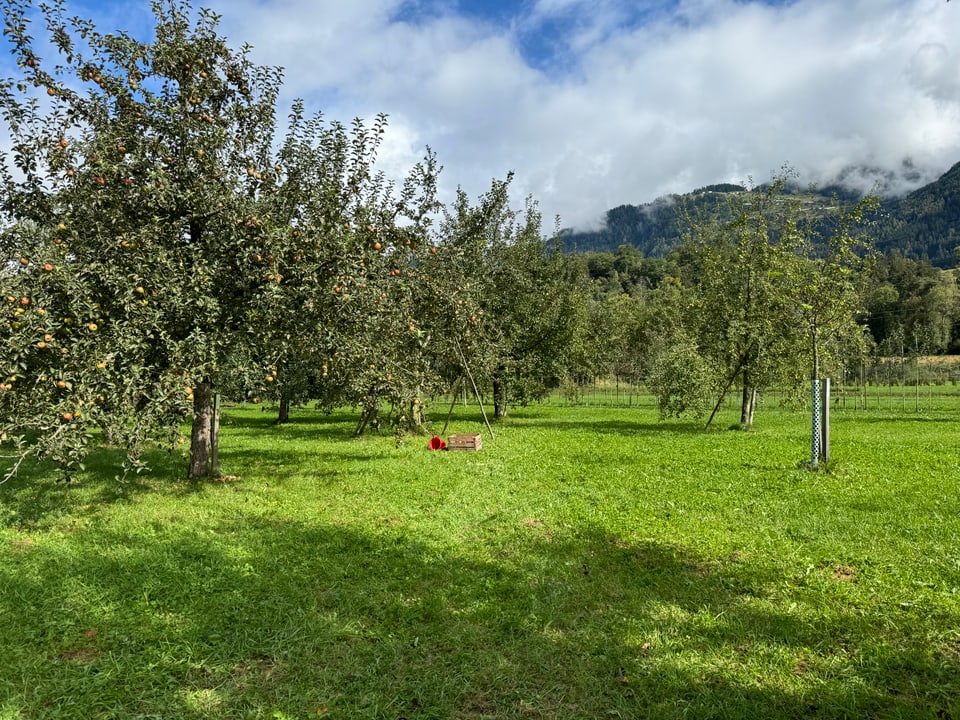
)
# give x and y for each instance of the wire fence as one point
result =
(907, 385)
(895, 385)
(843, 397)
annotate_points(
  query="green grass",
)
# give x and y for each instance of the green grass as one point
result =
(588, 563)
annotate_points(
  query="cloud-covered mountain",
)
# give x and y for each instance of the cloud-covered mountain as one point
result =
(923, 224)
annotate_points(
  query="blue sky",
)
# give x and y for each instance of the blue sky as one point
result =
(596, 103)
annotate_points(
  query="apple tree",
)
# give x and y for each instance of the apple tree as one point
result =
(338, 254)
(516, 305)
(130, 216)
(828, 283)
(740, 312)
(536, 310)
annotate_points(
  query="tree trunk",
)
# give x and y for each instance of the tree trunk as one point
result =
(369, 413)
(814, 335)
(416, 416)
(499, 398)
(284, 416)
(201, 434)
(723, 394)
(747, 401)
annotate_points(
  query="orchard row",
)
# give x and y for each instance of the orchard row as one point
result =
(168, 242)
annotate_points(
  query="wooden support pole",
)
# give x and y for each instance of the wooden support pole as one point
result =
(453, 391)
(475, 391)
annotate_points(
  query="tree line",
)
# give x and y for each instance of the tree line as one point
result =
(907, 304)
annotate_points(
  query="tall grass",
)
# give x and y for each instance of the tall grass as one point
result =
(587, 563)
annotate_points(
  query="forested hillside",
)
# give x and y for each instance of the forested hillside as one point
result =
(920, 226)
(923, 224)
(653, 228)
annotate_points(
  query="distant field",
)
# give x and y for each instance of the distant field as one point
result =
(587, 563)
(948, 360)
(899, 392)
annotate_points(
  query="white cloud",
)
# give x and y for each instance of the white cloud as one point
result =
(933, 71)
(634, 105)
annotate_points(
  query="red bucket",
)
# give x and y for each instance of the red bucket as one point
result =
(436, 444)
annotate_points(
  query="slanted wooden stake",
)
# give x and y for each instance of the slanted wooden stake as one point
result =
(475, 391)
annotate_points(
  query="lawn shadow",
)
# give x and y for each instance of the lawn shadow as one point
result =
(619, 420)
(860, 418)
(304, 424)
(39, 492)
(264, 615)
(611, 427)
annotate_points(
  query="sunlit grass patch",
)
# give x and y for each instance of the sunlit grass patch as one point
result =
(586, 563)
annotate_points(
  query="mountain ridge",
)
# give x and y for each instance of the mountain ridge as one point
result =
(923, 224)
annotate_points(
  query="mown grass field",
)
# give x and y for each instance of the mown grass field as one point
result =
(588, 563)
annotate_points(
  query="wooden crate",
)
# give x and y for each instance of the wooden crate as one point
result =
(464, 442)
